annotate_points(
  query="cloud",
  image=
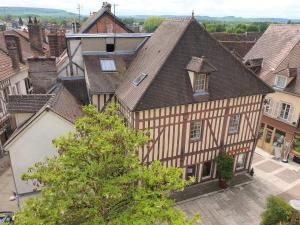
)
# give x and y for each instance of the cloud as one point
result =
(244, 8)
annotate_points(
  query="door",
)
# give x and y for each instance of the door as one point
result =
(268, 137)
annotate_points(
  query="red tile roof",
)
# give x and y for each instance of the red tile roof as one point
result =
(6, 69)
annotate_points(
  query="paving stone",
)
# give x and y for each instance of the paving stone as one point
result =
(257, 158)
(288, 176)
(292, 193)
(268, 166)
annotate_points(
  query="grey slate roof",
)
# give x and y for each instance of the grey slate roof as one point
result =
(164, 59)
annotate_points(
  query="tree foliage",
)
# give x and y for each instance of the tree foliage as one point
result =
(278, 212)
(97, 179)
(152, 22)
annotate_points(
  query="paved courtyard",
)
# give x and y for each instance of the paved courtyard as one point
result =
(244, 204)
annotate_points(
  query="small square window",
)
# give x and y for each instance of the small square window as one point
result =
(241, 160)
(280, 81)
(195, 130)
(110, 47)
(206, 169)
(234, 124)
(108, 65)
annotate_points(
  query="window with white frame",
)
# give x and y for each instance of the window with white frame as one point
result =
(234, 124)
(280, 81)
(195, 130)
(200, 82)
(285, 111)
(268, 106)
(241, 160)
(108, 65)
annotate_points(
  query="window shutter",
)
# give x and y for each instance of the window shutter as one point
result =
(277, 110)
(271, 106)
(291, 114)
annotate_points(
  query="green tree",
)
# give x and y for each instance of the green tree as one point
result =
(252, 28)
(278, 212)
(97, 179)
(152, 22)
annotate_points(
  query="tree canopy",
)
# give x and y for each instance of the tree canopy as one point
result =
(152, 22)
(98, 179)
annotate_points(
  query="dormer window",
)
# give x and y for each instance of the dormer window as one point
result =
(199, 70)
(280, 81)
(200, 83)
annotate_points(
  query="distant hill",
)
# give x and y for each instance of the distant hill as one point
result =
(224, 19)
(43, 12)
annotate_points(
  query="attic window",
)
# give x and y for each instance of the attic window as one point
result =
(139, 79)
(108, 65)
(200, 82)
(110, 47)
(280, 81)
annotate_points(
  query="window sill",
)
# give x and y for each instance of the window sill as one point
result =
(195, 139)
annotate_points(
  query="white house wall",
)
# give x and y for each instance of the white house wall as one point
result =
(34, 144)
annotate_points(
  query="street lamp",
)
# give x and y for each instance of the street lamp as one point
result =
(296, 206)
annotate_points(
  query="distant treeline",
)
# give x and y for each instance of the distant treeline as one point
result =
(152, 22)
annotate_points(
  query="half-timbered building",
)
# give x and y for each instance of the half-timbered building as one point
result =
(194, 98)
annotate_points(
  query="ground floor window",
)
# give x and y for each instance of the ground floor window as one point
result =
(241, 160)
(206, 169)
(190, 171)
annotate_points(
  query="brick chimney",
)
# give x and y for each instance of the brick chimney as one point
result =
(35, 36)
(42, 73)
(57, 41)
(106, 5)
(14, 50)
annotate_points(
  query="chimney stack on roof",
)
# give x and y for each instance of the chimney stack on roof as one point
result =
(42, 73)
(57, 41)
(14, 50)
(106, 5)
(35, 36)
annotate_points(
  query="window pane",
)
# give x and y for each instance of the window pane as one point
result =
(191, 171)
(240, 164)
(195, 130)
(108, 65)
(280, 81)
(234, 124)
(206, 171)
(200, 82)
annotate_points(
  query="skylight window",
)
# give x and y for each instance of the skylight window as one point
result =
(108, 65)
(139, 79)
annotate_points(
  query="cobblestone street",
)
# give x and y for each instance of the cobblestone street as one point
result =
(244, 204)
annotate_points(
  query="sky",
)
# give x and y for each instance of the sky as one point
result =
(239, 8)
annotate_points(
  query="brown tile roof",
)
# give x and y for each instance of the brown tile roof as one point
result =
(65, 104)
(248, 36)
(105, 82)
(279, 47)
(6, 69)
(164, 58)
(27, 103)
(24, 40)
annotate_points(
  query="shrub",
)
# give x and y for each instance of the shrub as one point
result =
(224, 166)
(278, 212)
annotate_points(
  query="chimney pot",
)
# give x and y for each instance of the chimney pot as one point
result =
(14, 50)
